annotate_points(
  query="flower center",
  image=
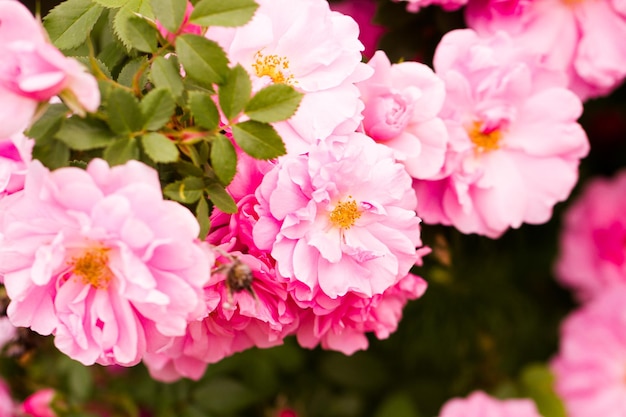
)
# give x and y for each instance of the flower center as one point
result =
(345, 214)
(92, 267)
(274, 66)
(484, 141)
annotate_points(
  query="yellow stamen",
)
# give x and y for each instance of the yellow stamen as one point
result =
(92, 267)
(273, 66)
(345, 214)
(484, 142)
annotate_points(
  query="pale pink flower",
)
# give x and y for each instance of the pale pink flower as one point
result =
(583, 38)
(341, 324)
(448, 5)
(304, 44)
(7, 406)
(401, 106)
(185, 27)
(94, 256)
(32, 70)
(15, 155)
(261, 315)
(590, 367)
(339, 219)
(479, 404)
(592, 255)
(39, 404)
(515, 144)
(363, 12)
(8, 332)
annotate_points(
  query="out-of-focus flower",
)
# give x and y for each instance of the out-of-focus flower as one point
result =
(339, 219)
(15, 154)
(583, 38)
(96, 256)
(593, 256)
(8, 332)
(39, 404)
(401, 106)
(479, 404)
(185, 27)
(589, 367)
(449, 5)
(304, 44)
(515, 144)
(363, 12)
(7, 406)
(34, 71)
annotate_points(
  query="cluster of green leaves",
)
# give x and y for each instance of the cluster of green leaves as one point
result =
(175, 106)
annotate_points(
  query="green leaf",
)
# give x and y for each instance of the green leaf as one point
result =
(49, 123)
(223, 13)
(121, 151)
(220, 197)
(142, 7)
(258, 140)
(235, 92)
(113, 53)
(114, 4)
(157, 107)
(222, 396)
(187, 190)
(204, 110)
(69, 23)
(165, 73)
(84, 134)
(134, 31)
(124, 112)
(537, 383)
(159, 148)
(203, 59)
(170, 13)
(128, 72)
(86, 61)
(274, 103)
(51, 152)
(202, 215)
(223, 159)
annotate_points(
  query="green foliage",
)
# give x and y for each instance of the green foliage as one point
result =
(203, 59)
(221, 198)
(134, 31)
(223, 13)
(169, 12)
(187, 190)
(235, 92)
(84, 134)
(165, 74)
(157, 107)
(69, 23)
(121, 151)
(274, 103)
(204, 110)
(223, 159)
(123, 111)
(159, 147)
(258, 140)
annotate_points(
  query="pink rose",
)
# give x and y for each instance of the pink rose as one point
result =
(39, 404)
(479, 404)
(185, 27)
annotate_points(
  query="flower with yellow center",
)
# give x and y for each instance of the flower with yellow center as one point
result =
(345, 214)
(273, 66)
(92, 267)
(484, 142)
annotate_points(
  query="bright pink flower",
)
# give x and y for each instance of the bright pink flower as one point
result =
(339, 219)
(15, 155)
(515, 144)
(33, 71)
(401, 106)
(235, 230)
(567, 35)
(185, 27)
(593, 255)
(94, 256)
(340, 324)
(259, 313)
(449, 5)
(363, 12)
(590, 367)
(304, 44)
(39, 404)
(479, 404)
